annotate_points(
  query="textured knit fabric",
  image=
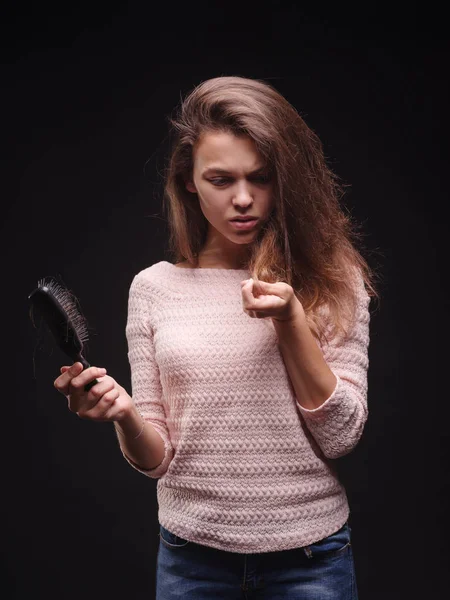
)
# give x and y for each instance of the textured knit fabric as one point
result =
(247, 469)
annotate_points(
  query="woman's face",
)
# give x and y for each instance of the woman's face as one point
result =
(230, 179)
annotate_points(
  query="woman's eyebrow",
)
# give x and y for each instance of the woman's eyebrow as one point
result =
(220, 171)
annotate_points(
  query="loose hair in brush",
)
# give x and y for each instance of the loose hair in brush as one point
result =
(61, 311)
(309, 241)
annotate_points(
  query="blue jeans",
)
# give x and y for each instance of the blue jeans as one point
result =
(323, 570)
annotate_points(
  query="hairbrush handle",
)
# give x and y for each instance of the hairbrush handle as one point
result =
(85, 364)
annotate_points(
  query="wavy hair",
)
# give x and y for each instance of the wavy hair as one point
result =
(309, 241)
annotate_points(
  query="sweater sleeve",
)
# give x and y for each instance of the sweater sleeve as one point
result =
(338, 423)
(145, 381)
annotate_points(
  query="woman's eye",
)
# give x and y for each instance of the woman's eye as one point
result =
(262, 179)
(219, 181)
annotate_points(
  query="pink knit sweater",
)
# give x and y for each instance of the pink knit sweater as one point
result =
(246, 468)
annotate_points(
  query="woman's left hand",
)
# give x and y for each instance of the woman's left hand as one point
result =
(261, 299)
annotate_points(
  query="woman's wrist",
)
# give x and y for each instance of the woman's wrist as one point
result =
(131, 425)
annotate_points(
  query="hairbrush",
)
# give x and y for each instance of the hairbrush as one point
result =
(62, 314)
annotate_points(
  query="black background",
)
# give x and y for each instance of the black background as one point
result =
(85, 95)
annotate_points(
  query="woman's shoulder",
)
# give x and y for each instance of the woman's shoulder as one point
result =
(160, 273)
(152, 273)
(163, 266)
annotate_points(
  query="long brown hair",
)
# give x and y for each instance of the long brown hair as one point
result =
(309, 241)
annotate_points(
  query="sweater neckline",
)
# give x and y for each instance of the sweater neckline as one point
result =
(198, 270)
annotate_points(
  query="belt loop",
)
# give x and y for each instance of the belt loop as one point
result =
(308, 551)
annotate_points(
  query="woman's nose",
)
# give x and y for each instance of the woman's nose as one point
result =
(243, 194)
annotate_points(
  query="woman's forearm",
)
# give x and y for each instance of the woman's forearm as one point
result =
(147, 451)
(312, 379)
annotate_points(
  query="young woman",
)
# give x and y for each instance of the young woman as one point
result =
(248, 357)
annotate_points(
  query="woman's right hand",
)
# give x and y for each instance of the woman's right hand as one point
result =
(104, 401)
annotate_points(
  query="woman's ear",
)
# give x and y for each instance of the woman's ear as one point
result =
(190, 186)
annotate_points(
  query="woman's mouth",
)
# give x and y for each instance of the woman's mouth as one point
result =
(244, 225)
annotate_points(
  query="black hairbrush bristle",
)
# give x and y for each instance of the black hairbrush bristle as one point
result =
(61, 311)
